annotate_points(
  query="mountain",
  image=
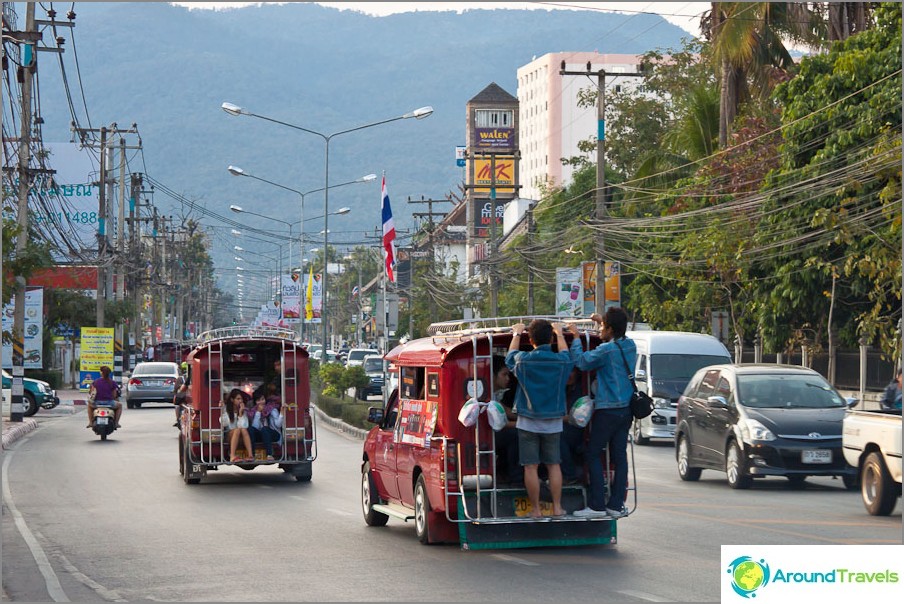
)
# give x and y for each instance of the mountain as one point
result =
(169, 69)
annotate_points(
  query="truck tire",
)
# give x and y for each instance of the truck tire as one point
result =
(876, 486)
(368, 498)
(422, 511)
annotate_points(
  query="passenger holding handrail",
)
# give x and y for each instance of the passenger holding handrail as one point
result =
(235, 424)
(540, 405)
(612, 417)
(265, 421)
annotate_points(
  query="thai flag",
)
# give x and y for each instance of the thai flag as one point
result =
(388, 235)
(355, 291)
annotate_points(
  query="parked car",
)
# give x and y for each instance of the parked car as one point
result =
(330, 356)
(38, 394)
(152, 382)
(373, 367)
(666, 361)
(757, 420)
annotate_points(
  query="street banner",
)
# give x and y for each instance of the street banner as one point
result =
(34, 329)
(315, 294)
(271, 315)
(96, 350)
(291, 299)
(569, 294)
(613, 284)
(589, 279)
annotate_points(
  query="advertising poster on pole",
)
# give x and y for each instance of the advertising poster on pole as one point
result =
(589, 270)
(613, 284)
(96, 350)
(271, 315)
(569, 292)
(315, 297)
(34, 329)
(291, 299)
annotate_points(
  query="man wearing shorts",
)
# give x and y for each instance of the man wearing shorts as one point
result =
(540, 405)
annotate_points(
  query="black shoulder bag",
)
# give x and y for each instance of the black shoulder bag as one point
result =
(641, 403)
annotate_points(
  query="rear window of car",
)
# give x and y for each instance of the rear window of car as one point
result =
(358, 355)
(373, 364)
(156, 369)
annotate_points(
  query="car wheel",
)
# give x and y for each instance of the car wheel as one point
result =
(685, 471)
(181, 457)
(137, 405)
(798, 481)
(422, 511)
(637, 435)
(735, 468)
(368, 498)
(31, 405)
(877, 486)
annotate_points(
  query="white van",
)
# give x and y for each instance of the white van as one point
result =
(666, 362)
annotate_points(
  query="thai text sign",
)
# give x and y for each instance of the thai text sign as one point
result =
(34, 330)
(291, 298)
(418, 419)
(96, 350)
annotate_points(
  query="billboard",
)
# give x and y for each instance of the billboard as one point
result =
(291, 299)
(505, 175)
(483, 216)
(496, 139)
(34, 329)
(96, 350)
(612, 287)
(569, 292)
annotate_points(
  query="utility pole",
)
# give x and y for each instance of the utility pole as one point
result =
(27, 69)
(102, 230)
(429, 214)
(530, 269)
(601, 193)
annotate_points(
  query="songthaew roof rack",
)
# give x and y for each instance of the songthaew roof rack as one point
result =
(500, 324)
(246, 332)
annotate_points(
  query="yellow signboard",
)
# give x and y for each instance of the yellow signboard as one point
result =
(96, 350)
(505, 175)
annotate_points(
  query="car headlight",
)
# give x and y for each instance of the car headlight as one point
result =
(661, 403)
(757, 431)
(43, 387)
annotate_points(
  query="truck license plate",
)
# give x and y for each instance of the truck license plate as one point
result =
(816, 456)
(523, 507)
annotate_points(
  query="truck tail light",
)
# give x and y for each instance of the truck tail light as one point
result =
(449, 474)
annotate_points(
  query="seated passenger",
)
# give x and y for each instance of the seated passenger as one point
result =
(572, 442)
(235, 425)
(504, 386)
(265, 419)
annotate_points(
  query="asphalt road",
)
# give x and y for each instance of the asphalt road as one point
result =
(85, 520)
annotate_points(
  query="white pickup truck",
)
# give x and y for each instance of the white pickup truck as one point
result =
(872, 443)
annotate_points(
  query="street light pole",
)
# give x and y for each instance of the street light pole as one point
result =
(419, 113)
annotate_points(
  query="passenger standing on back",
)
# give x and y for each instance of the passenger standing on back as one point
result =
(540, 405)
(612, 417)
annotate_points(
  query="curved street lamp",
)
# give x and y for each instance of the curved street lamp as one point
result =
(419, 114)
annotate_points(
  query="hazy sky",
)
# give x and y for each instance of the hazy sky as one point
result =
(683, 14)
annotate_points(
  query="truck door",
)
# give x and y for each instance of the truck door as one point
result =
(384, 464)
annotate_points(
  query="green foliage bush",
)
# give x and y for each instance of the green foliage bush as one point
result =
(353, 413)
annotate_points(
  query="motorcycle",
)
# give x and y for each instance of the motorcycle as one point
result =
(104, 420)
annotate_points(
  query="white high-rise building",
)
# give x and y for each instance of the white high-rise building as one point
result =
(551, 124)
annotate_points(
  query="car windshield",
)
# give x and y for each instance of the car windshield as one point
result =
(681, 366)
(358, 355)
(373, 364)
(155, 369)
(765, 391)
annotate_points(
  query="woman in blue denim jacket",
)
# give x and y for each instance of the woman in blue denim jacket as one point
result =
(612, 417)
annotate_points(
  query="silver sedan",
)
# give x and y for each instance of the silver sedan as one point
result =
(152, 382)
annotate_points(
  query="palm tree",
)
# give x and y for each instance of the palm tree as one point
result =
(748, 41)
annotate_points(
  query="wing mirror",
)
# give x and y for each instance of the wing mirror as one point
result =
(640, 374)
(375, 415)
(851, 402)
(716, 402)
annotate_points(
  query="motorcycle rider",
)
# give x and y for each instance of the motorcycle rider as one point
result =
(105, 390)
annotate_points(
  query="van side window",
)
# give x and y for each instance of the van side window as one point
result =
(641, 367)
(412, 385)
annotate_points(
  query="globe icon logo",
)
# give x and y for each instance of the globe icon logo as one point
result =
(748, 575)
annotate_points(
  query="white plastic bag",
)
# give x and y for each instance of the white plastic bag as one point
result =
(582, 411)
(496, 415)
(469, 412)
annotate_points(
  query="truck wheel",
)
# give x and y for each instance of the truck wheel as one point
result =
(303, 472)
(422, 511)
(685, 471)
(735, 468)
(368, 498)
(31, 405)
(181, 457)
(876, 486)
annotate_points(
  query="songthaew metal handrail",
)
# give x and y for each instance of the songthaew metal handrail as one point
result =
(224, 333)
(500, 324)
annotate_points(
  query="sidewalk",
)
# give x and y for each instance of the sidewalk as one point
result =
(13, 431)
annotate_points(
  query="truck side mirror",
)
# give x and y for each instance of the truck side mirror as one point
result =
(375, 415)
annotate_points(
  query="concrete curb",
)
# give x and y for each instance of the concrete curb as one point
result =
(16, 431)
(339, 425)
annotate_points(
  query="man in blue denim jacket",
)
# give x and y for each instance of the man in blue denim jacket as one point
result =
(540, 405)
(612, 417)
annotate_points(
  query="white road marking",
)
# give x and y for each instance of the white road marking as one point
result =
(50, 578)
(108, 595)
(514, 559)
(340, 512)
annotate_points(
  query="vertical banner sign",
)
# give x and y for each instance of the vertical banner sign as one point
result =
(569, 294)
(613, 284)
(271, 315)
(316, 289)
(589, 269)
(460, 156)
(291, 299)
(96, 350)
(34, 329)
